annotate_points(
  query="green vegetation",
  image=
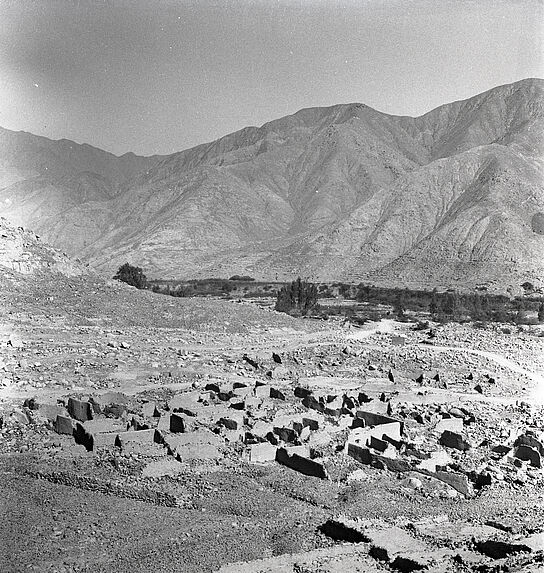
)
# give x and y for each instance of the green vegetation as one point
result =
(452, 305)
(297, 298)
(235, 287)
(361, 303)
(133, 276)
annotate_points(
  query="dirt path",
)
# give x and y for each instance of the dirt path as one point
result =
(537, 393)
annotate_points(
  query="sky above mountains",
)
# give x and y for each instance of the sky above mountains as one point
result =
(161, 76)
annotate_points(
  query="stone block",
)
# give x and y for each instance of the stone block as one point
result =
(293, 421)
(387, 544)
(210, 387)
(149, 410)
(531, 455)
(280, 373)
(450, 424)
(313, 403)
(242, 392)
(305, 434)
(64, 425)
(454, 440)
(164, 422)
(361, 436)
(335, 407)
(177, 423)
(276, 394)
(232, 421)
(457, 481)
(302, 392)
(497, 549)
(79, 410)
(199, 438)
(376, 407)
(236, 403)
(251, 361)
(262, 391)
(531, 441)
(51, 411)
(343, 530)
(366, 456)
(263, 452)
(312, 423)
(301, 463)
(83, 438)
(385, 448)
(225, 393)
(359, 453)
(139, 437)
(104, 426)
(438, 459)
(105, 440)
(99, 433)
(299, 450)
(286, 434)
(261, 429)
(188, 403)
(373, 419)
(349, 402)
(233, 436)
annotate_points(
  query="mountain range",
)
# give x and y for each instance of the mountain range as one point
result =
(453, 198)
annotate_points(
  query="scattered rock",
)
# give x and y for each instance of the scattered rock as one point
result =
(454, 440)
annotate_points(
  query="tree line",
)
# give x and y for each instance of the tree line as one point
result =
(300, 298)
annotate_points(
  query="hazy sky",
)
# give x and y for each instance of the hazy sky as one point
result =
(157, 76)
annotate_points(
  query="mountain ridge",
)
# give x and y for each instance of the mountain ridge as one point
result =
(338, 193)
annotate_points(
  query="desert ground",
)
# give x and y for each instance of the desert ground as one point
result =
(141, 432)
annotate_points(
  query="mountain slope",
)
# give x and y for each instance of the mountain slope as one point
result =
(61, 189)
(344, 192)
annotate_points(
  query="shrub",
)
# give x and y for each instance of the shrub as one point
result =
(297, 297)
(133, 276)
(241, 278)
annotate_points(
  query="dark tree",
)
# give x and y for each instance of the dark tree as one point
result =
(477, 309)
(541, 312)
(434, 305)
(298, 296)
(133, 276)
(451, 303)
(399, 306)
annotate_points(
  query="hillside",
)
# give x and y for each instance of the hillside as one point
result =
(453, 197)
(60, 189)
